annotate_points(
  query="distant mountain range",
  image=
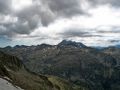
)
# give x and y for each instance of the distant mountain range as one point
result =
(67, 43)
(85, 67)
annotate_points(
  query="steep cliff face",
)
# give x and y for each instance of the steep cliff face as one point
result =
(12, 70)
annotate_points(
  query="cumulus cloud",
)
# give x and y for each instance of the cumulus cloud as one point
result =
(50, 21)
(39, 13)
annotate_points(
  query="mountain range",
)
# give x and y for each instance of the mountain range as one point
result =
(12, 70)
(80, 66)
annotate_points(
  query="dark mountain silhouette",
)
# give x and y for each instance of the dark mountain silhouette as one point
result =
(71, 43)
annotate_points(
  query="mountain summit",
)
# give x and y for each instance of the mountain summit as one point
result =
(71, 43)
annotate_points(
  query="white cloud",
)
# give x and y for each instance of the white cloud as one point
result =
(102, 18)
(7, 19)
(98, 25)
(20, 4)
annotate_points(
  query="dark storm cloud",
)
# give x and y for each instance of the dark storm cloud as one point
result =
(48, 11)
(29, 18)
(114, 3)
(102, 31)
(77, 33)
(73, 34)
(65, 7)
(12, 29)
(5, 7)
(35, 14)
(114, 41)
(113, 29)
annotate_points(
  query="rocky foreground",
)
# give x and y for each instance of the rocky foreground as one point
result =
(5, 85)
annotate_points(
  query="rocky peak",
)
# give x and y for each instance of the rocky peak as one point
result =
(71, 43)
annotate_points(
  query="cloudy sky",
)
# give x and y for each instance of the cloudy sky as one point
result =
(31, 22)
